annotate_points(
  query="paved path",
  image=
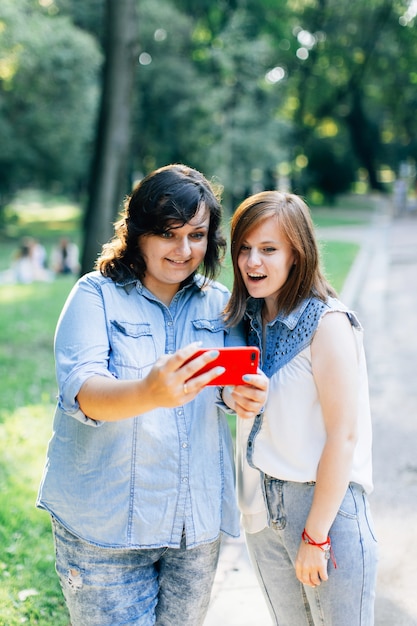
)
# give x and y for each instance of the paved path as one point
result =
(382, 288)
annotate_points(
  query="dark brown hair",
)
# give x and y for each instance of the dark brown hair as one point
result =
(293, 216)
(167, 197)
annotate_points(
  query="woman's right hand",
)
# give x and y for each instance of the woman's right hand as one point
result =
(169, 381)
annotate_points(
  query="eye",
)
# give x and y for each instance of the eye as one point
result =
(244, 248)
(167, 234)
(197, 236)
(269, 249)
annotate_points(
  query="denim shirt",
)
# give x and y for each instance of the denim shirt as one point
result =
(138, 482)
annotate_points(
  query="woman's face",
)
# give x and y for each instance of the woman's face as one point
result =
(174, 255)
(265, 259)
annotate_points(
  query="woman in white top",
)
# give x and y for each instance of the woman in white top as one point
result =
(304, 464)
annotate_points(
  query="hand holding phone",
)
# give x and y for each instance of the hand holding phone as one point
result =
(237, 362)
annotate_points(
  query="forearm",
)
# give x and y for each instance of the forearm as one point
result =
(333, 476)
(110, 400)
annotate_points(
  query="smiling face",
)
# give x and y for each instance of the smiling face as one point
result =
(265, 259)
(174, 255)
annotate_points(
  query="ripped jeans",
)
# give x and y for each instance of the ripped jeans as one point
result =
(150, 587)
(347, 597)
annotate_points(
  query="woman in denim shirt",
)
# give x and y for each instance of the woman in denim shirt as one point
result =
(139, 477)
(304, 464)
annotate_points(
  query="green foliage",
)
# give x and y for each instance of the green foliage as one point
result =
(342, 89)
(203, 98)
(257, 93)
(327, 171)
(48, 96)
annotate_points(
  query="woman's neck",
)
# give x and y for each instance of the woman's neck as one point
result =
(269, 312)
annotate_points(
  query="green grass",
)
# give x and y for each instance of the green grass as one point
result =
(29, 588)
(337, 258)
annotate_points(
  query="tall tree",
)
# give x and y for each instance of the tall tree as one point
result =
(109, 168)
(203, 97)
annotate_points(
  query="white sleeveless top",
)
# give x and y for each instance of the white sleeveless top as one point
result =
(290, 447)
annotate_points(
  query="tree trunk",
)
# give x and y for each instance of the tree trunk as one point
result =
(109, 170)
(365, 139)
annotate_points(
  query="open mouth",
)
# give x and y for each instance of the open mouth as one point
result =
(256, 277)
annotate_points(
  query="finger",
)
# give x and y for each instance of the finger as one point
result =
(244, 412)
(192, 367)
(323, 573)
(306, 579)
(192, 386)
(173, 362)
(202, 380)
(249, 395)
(314, 580)
(249, 398)
(257, 381)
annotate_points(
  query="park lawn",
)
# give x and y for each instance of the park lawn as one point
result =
(29, 588)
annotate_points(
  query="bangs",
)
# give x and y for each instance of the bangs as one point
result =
(172, 210)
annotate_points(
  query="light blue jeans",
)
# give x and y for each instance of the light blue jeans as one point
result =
(111, 587)
(347, 597)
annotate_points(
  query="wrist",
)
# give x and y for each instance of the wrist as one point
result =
(317, 535)
(226, 397)
(325, 546)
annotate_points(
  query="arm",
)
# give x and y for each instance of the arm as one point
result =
(110, 399)
(335, 371)
(89, 391)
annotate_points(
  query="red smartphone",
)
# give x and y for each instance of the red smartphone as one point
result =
(238, 361)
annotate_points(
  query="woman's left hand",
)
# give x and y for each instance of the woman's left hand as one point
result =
(311, 565)
(248, 399)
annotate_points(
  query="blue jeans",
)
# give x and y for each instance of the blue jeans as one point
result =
(347, 597)
(110, 587)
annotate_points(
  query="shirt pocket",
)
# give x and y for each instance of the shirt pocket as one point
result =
(210, 332)
(133, 350)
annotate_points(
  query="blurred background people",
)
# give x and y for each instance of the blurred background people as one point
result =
(64, 257)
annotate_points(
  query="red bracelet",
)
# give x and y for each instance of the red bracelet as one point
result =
(325, 546)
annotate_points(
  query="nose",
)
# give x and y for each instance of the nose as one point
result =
(253, 259)
(184, 246)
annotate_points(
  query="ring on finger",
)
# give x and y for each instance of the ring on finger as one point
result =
(185, 388)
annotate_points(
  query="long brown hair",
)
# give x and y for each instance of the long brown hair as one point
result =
(305, 278)
(170, 195)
